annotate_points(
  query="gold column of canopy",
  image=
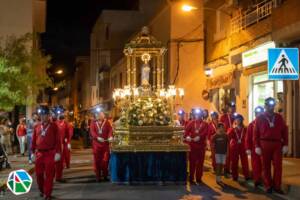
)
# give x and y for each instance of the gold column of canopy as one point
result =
(162, 69)
(134, 70)
(158, 72)
(154, 71)
(128, 69)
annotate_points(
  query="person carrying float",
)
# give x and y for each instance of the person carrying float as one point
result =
(102, 135)
(196, 136)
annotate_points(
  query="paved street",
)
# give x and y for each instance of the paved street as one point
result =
(81, 185)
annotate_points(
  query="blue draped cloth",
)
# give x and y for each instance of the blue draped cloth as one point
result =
(132, 167)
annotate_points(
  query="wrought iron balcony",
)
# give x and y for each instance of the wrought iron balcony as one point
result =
(259, 12)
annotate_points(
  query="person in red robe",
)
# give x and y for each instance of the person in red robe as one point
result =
(102, 134)
(182, 120)
(212, 127)
(237, 146)
(227, 119)
(46, 150)
(68, 151)
(271, 142)
(255, 159)
(196, 136)
(63, 129)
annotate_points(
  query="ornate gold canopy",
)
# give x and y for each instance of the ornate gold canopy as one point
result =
(148, 49)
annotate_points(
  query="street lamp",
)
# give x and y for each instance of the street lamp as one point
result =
(60, 71)
(188, 8)
(208, 72)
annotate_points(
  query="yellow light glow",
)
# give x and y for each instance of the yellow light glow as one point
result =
(60, 71)
(188, 8)
(55, 89)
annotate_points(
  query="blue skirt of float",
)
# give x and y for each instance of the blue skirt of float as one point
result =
(148, 167)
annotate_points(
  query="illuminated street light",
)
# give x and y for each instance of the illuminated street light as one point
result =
(208, 72)
(188, 8)
(60, 71)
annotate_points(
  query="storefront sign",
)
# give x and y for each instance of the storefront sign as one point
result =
(220, 81)
(257, 55)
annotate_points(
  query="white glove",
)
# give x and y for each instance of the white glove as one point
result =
(57, 157)
(248, 152)
(32, 157)
(196, 139)
(110, 139)
(285, 149)
(100, 139)
(188, 139)
(69, 146)
(258, 151)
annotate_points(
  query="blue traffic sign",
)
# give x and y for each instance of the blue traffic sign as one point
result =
(283, 64)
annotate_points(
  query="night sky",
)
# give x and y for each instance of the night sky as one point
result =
(68, 27)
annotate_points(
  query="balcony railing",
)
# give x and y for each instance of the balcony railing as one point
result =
(248, 18)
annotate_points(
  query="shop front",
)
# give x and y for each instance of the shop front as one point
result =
(254, 62)
(222, 90)
(262, 88)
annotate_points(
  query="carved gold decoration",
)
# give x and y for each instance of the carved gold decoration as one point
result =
(149, 138)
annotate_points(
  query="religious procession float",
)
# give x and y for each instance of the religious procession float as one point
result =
(148, 147)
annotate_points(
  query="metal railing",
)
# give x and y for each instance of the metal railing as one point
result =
(252, 16)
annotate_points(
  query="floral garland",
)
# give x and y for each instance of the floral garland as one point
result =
(147, 112)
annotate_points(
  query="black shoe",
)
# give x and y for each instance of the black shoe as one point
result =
(192, 183)
(227, 175)
(106, 179)
(256, 184)
(269, 191)
(61, 180)
(279, 191)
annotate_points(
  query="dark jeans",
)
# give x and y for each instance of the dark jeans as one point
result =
(86, 139)
(29, 138)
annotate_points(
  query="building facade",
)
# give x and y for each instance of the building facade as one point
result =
(18, 17)
(238, 35)
(81, 88)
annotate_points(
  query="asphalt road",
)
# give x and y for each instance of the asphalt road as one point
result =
(81, 184)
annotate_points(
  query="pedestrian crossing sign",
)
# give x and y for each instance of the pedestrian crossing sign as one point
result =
(283, 63)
